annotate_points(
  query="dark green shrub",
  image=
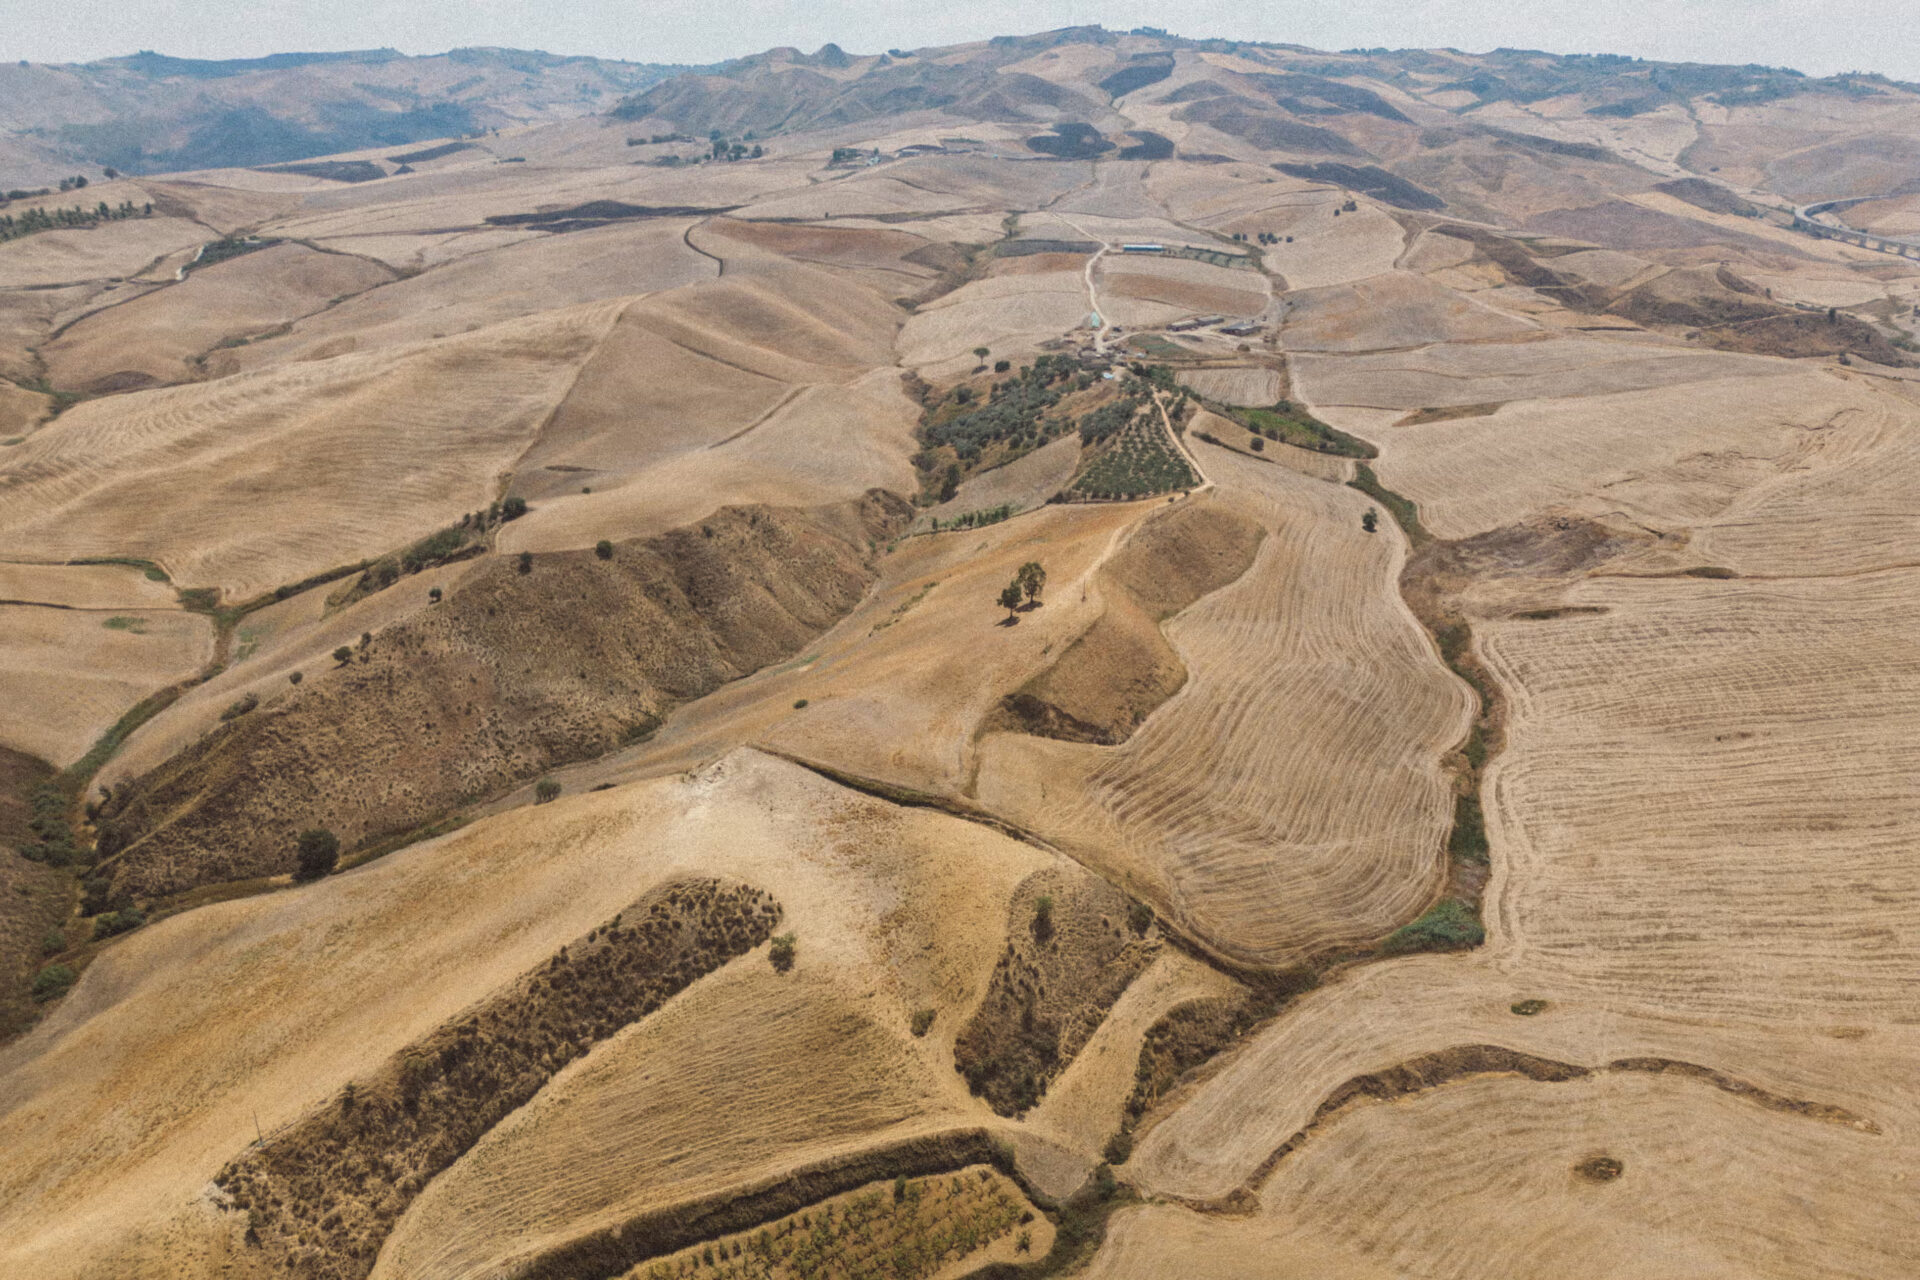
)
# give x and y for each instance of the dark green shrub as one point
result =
(923, 1021)
(295, 677)
(603, 549)
(799, 703)
(52, 982)
(513, 508)
(316, 853)
(525, 564)
(343, 655)
(1140, 917)
(125, 920)
(1450, 926)
(782, 953)
(240, 706)
(544, 790)
(54, 943)
(1119, 1148)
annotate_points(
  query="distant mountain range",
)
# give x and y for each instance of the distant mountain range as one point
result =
(1479, 134)
(150, 113)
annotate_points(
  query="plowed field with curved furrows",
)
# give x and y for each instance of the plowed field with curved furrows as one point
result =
(1290, 797)
(794, 814)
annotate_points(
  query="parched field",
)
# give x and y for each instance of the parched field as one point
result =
(1454, 374)
(67, 674)
(854, 872)
(1250, 387)
(1398, 309)
(355, 456)
(1290, 796)
(149, 1076)
(155, 338)
(1671, 457)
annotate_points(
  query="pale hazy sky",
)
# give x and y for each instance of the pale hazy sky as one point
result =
(1817, 36)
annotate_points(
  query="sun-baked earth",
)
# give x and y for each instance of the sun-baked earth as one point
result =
(1441, 808)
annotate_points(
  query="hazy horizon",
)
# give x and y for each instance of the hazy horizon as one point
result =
(1845, 35)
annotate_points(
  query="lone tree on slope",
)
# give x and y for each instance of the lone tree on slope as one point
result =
(1010, 600)
(316, 853)
(1031, 579)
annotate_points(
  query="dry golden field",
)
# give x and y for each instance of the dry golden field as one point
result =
(1476, 844)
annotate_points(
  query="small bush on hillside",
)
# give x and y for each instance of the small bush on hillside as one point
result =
(240, 706)
(54, 943)
(52, 982)
(1140, 917)
(317, 852)
(1119, 1148)
(923, 1021)
(1450, 926)
(125, 920)
(782, 952)
(526, 562)
(1043, 917)
(513, 508)
(603, 549)
(1001, 366)
(544, 790)
(343, 655)
(295, 677)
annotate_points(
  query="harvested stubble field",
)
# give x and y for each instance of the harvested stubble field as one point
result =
(1219, 744)
(1308, 681)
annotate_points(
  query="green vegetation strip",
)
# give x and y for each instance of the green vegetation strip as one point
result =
(1404, 513)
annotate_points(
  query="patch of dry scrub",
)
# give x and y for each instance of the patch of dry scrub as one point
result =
(514, 673)
(321, 1196)
(1070, 954)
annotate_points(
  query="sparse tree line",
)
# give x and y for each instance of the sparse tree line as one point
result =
(78, 217)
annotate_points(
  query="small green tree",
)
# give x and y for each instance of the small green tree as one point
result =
(1370, 521)
(603, 549)
(315, 854)
(544, 790)
(781, 953)
(1031, 579)
(1043, 917)
(343, 655)
(1010, 600)
(434, 594)
(513, 508)
(923, 1021)
(295, 677)
(526, 562)
(981, 352)
(52, 982)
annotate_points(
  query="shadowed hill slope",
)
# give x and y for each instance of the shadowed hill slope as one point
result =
(517, 671)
